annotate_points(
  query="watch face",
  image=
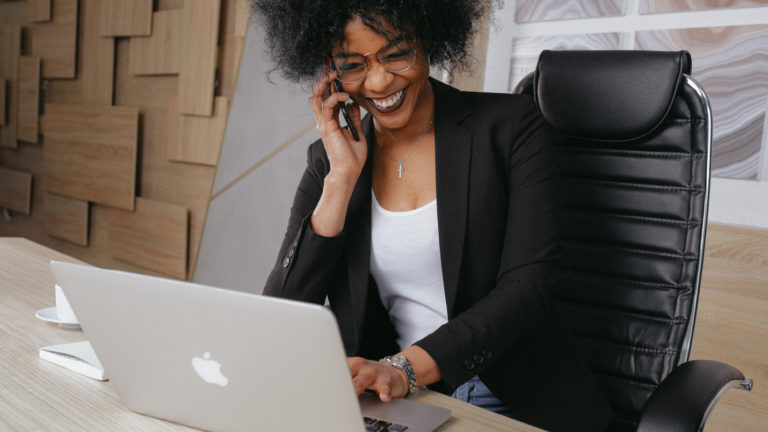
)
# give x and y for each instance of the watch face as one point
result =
(399, 360)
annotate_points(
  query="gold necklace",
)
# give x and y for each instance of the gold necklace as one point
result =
(400, 162)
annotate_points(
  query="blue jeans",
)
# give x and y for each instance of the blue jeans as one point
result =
(476, 393)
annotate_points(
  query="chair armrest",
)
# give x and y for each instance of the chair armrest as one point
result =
(683, 401)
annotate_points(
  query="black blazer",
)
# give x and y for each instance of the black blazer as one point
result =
(498, 211)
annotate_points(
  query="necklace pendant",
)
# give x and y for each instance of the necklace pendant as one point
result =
(400, 170)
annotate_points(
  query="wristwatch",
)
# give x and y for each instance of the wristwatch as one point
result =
(401, 362)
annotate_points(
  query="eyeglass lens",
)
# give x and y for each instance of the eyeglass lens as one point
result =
(396, 57)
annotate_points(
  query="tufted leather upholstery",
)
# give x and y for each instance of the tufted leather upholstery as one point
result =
(633, 139)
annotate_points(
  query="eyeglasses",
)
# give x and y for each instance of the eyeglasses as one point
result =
(396, 57)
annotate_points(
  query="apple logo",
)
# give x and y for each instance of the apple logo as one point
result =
(209, 370)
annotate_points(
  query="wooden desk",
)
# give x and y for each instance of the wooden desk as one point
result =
(38, 395)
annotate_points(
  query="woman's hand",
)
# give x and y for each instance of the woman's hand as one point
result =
(387, 381)
(346, 156)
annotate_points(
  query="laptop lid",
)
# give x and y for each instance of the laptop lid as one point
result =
(219, 359)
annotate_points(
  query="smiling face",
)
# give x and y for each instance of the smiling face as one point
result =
(396, 100)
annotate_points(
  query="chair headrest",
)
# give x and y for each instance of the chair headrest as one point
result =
(608, 95)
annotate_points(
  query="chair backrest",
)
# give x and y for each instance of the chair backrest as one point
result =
(634, 139)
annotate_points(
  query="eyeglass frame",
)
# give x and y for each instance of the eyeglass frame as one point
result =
(412, 43)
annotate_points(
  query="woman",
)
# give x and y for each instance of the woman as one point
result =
(433, 236)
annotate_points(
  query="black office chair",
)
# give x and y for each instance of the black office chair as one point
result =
(634, 135)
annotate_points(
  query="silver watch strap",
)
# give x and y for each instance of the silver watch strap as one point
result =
(401, 362)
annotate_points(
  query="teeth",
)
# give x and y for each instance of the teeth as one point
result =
(389, 101)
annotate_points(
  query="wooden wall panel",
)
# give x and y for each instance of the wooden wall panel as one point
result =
(56, 41)
(196, 139)
(90, 152)
(38, 10)
(234, 28)
(158, 54)
(97, 64)
(126, 17)
(242, 18)
(3, 100)
(66, 218)
(29, 99)
(10, 51)
(154, 236)
(16, 190)
(95, 80)
(183, 184)
(198, 56)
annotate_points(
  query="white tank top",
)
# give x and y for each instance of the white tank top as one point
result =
(405, 263)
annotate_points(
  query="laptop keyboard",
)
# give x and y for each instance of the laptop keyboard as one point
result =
(376, 425)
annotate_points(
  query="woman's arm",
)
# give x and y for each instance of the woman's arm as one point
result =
(305, 259)
(313, 243)
(345, 155)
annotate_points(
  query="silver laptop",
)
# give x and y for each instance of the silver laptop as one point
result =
(224, 360)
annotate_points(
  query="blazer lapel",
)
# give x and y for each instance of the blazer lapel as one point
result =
(453, 153)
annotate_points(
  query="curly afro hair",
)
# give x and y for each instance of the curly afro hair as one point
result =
(300, 33)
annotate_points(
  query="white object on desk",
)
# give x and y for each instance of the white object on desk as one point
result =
(49, 314)
(63, 309)
(76, 356)
(61, 314)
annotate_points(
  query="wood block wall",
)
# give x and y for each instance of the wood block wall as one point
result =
(55, 41)
(90, 152)
(10, 51)
(108, 84)
(198, 56)
(66, 218)
(15, 190)
(3, 100)
(29, 98)
(38, 10)
(158, 53)
(126, 17)
(153, 236)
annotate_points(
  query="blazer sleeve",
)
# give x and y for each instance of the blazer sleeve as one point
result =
(306, 260)
(521, 300)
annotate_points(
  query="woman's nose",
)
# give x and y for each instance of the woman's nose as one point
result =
(378, 79)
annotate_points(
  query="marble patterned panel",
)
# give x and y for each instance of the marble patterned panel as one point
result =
(667, 6)
(525, 50)
(731, 63)
(552, 10)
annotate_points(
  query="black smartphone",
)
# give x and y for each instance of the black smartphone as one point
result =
(344, 112)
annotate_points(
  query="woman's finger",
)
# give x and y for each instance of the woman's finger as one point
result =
(331, 102)
(322, 88)
(364, 379)
(354, 113)
(329, 112)
(320, 92)
(383, 387)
